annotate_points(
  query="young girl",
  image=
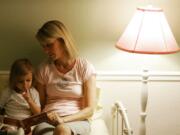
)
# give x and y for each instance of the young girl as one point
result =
(20, 100)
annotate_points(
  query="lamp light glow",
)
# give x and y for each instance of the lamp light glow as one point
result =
(148, 33)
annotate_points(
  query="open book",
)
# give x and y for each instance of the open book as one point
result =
(25, 123)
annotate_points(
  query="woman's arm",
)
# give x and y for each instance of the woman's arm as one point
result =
(41, 89)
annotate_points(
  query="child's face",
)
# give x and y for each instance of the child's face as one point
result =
(24, 82)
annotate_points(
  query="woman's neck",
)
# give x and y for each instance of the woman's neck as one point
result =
(64, 65)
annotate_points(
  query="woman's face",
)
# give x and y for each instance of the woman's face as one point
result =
(24, 82)
(54, 49)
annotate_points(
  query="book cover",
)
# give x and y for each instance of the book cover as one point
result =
(25, 123)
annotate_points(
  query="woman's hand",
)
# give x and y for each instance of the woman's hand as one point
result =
(54, 118)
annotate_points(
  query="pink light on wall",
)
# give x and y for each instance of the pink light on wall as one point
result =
(148, 33)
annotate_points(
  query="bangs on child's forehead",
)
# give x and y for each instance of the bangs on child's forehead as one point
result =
(24, 70)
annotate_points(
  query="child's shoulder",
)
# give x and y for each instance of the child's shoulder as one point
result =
(33, 90)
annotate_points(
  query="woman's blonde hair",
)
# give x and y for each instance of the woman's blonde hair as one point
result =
(56, 30)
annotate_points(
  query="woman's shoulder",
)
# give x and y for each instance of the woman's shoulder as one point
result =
(44, 65)
(83, 63)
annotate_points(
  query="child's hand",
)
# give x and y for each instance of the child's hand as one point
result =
(26, 95)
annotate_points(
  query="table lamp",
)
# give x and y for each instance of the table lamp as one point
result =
(147, 33)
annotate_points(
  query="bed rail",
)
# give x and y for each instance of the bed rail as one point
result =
(120, 118)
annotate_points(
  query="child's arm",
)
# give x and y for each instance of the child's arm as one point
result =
(35, 108)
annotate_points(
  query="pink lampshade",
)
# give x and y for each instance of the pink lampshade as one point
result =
(148, 33)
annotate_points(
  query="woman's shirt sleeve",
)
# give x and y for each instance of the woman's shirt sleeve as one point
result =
(87, 69)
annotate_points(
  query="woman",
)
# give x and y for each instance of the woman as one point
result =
(66, 83)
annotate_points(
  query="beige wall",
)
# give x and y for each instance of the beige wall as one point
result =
(95, 24)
